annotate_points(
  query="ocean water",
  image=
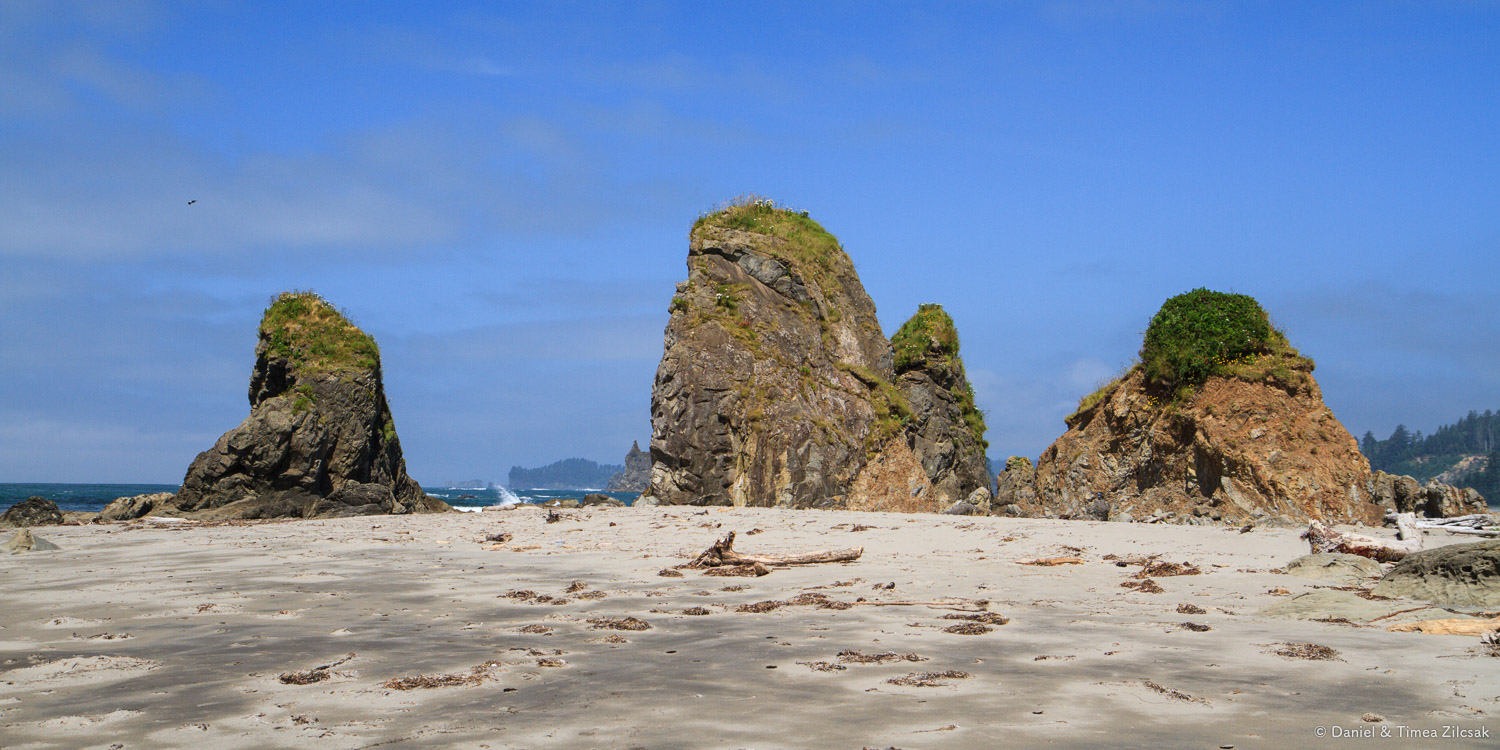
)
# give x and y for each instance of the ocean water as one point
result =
(93, 497)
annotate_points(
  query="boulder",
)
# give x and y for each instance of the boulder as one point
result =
(600, 499)
(136, 506)
(1404, 494)
(1192, 437)
(320, 441)
(963, 508)
(33, 511)
(24, 541)
(1456, 575)
(636, 476)
(1336, 568)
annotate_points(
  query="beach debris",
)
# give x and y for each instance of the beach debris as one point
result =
(498, 538)
(1408, 540)
(1190, 609)
(760, 607)
(474, 676)
(1448, 626)
(735, 587)
(1479, 524)
(968, 628)
(853, 656)
(1057, 657)
(723, 553)
(669, 573)
(534, 628)
(928, 679)
(755, 531)
(1311, 651)
(884, 586)
(1155, 569)
(1195, 627)
(696, 611)
(1489, 645)
(553, 516)
(550, 662)
(316, 674)
(823, 666)
(618, 623)
(1049, 561)
(575, 587)
(989, 618)
(590, 595)
(1372, 718)
(808, 599)
(753, 569)
(1147, 586)
(1170, 693)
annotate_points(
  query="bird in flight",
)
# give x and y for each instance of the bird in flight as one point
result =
(191, 202)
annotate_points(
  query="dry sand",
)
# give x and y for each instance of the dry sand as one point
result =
(143, 636)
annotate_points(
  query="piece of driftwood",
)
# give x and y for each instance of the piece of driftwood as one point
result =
(722, 553)
(1325, 539)
(1478, 524)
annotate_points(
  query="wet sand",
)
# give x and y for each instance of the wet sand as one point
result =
(145, 636)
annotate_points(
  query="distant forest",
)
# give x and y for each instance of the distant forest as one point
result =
(1426, 456)
(567, 474)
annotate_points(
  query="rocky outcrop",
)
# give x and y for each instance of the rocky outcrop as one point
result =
(33, 511)
(320, 440)
(1458, 575)
(135, 506)
(636, 476)
(1015, 487)
(1245, 437)
(1404, 494)
(775, 384)
(945, 430)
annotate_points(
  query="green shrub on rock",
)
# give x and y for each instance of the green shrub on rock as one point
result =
(1201, 333)
(929, 330)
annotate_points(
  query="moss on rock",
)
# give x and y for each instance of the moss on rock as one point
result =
(308, 332)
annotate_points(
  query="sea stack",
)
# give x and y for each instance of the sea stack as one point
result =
(320, 441)
(776, 384)
(946, 430)
(636, 476)
(1221, 421)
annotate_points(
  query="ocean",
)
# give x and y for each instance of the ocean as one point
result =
(93, 497)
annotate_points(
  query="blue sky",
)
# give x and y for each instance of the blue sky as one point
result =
(501, 192)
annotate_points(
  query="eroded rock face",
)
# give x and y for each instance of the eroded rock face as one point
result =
(319, 442)
(636, 476)
(774, 387)
(945, 430)
(1236, 451)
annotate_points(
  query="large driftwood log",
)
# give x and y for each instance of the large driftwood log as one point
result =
(1480, 524)
(722, 553)
(1325, 539)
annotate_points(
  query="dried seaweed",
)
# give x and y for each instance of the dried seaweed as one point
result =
(989, 618)
(669, 573)
(1195, 627)
(1170, 693)
(1190, 609)
(928, 679)
(760, 607)
(696, 611)
(1311, 651)
(1147, 586)
(575, 587)
(618, 623)
(542, 629)
(852, 656)
(968, 628)
(310, 676)
(1164, 569)
(474, 676)
(822, 666)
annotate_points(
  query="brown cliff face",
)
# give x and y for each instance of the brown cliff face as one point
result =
(319, 441)
(775, 385)
(1236, 451)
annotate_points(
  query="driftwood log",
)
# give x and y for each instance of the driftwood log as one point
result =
(1409, 540)
(1479, 524)
(722, 553)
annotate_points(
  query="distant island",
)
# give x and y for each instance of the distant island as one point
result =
(567, 474)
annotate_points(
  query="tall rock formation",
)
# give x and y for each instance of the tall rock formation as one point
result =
(319, 441)
(946, 430)
(775, 384)
(636, 476)
(1221, 421)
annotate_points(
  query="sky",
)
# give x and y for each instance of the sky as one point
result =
(500, 193)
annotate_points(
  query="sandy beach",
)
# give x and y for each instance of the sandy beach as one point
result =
(151, 635)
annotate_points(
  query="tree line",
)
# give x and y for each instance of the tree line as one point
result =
(1426, 456)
